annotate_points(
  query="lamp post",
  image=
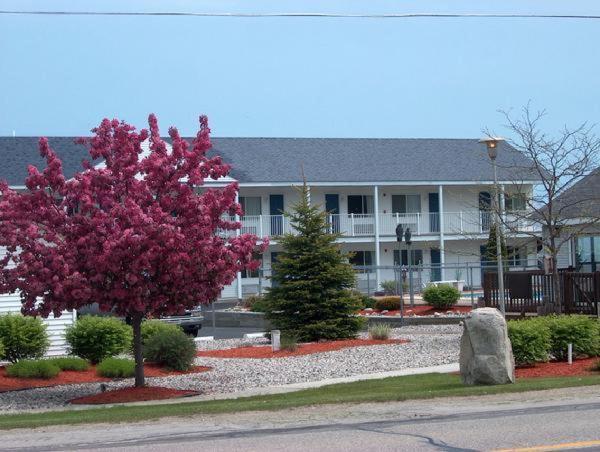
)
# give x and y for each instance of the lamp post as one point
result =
(407, 237)
(492, 148)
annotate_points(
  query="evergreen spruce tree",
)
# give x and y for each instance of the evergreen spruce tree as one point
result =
(312, 295)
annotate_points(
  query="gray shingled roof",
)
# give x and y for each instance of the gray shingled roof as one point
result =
(275, 160)
(19, 152)
(582, 200)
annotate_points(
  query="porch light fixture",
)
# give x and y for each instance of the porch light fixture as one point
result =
(492, 147)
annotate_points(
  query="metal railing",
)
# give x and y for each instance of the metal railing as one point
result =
(363, 225)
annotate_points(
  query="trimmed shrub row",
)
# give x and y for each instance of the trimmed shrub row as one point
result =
(543, 338)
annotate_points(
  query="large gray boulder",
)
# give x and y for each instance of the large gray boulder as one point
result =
(485, 352)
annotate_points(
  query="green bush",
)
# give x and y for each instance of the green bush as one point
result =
(441, 296)
(95, 338)
(530, 341)
(256, 303)
(1, 351)
(70, 363)
(389, 287)
(387, 303)
(28, 368)
(116, 368)
(365, 300)
(152, 327)
(172, 349)
(23, 337)
(579, 330)
(289, 342)
(380, 331)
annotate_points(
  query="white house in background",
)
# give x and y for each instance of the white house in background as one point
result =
(580, 209)
(439, 188)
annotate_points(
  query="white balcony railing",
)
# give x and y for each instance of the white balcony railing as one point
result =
(361, 225)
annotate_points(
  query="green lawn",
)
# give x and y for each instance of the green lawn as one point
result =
(388, 389)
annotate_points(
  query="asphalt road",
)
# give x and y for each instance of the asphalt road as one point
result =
(550, 420)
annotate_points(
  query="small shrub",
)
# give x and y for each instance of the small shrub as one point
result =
(387, 303)
(380, 331)
(441, 296)
(1, 350)
(256, 303)
(28, 368)
(289, 342)
(95, 338)
(389, 287)
(530, 341)
(152, 327)
(172, 349)
(23, 337)
(365, 300)
(579, 330)
(70, 363)
(116, 368)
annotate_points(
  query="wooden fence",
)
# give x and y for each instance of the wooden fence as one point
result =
(525, 291)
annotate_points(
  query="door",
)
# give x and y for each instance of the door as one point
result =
(276, 212)
(434, 212)
(436, 271)
(485, 211)
(332, 207)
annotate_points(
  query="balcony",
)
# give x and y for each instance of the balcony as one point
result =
(465, 223)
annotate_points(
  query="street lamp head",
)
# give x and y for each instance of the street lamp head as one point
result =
(399, 232)
(492, 146)
(407, 236)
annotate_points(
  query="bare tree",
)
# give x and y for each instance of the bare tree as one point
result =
(558, 163)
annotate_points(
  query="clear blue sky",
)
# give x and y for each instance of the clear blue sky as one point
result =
(296, 77)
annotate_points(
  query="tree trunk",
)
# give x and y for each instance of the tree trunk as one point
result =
(138, 354)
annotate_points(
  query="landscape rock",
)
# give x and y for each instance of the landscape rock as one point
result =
(485, 351)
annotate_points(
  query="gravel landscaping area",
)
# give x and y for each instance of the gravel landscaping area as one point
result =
(429, 345)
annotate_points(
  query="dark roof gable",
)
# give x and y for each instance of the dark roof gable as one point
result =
(273, 160)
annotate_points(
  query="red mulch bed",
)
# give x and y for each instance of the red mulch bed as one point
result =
(559, 369)
(133, 395)
(303, 349)
(74, 377)
(421, 310)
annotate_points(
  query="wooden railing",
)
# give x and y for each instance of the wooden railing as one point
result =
(526, 291)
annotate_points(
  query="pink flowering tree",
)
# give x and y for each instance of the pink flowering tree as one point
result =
(138, 234)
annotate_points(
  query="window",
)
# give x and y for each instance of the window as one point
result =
(406, 203)
(417, 257)
(251, 205)
(588, 253)
(515, 256)
(362, 258)
(515, 202)
(360, 204)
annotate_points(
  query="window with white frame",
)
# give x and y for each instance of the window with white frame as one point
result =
(251, 205)
(406, 203)
(360, 204)
(361, 258)
(515, 202)
(515, 256)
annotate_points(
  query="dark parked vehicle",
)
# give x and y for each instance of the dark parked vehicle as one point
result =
(190, 321)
